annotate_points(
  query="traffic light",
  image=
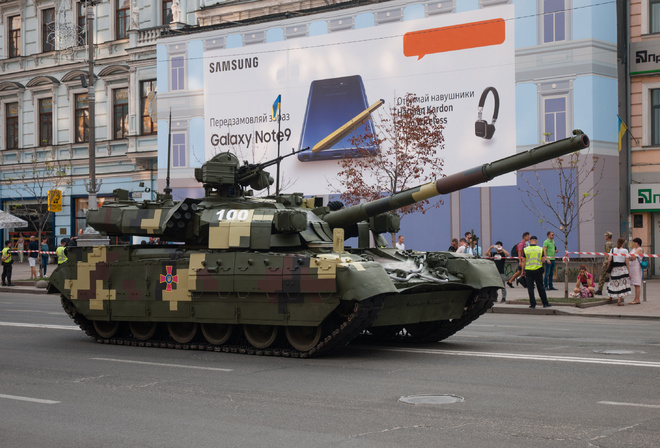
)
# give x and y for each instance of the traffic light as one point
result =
(54, 201)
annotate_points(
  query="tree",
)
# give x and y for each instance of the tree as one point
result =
(409, 136)
(30, 186)
(578, 176)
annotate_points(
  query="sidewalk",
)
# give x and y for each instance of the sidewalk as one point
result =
(646, 310)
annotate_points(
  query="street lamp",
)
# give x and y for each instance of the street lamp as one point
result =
(91, 186)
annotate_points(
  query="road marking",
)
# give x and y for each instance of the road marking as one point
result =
(55, 327)
(32, 400)
(181, 366)
(638, 405)
(612, 362)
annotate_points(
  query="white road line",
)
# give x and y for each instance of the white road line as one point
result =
(33, 400)
(638, 405)
(163, 365)
(55, 327)
(613, 362)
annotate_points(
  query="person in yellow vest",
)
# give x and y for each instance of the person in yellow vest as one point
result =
(6, 264)
(61, 252)
(532, 264)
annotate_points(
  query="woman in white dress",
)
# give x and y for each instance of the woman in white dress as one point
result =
(636, 255)
(619, 285)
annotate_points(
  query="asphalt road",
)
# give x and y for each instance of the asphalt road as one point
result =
(526, 381)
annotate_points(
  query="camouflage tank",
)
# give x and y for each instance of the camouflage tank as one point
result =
(271, 275)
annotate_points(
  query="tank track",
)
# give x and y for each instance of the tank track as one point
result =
(478, 304)
(364, 313)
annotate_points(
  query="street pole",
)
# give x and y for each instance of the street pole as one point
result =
(91, 100)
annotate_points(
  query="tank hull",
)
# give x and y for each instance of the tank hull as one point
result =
(311, 302)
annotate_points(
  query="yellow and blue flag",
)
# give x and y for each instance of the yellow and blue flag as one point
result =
(622, 131)
(276, 106)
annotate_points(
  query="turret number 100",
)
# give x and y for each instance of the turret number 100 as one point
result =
(233, 215)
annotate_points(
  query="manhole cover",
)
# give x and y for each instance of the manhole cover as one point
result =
(432, 399)
(617, 352)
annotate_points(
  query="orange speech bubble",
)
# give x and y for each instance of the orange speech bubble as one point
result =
(455, 37)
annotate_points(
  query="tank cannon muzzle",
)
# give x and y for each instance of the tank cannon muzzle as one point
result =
(458, 181)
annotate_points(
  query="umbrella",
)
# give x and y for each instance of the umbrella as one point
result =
(8, 220)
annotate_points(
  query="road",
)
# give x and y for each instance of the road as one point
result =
(541, 381)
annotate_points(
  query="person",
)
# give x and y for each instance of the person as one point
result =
(33, 254)
(619, 284)
(462, 246)
(636, 274)
(454, 245)
(584, 280)
(609, 245)
(532, 264)
(399, 244)
(472, 246)
(549, 250)
(7, 264)
(519, 249)
(498, 254)
(44, 254)
(61, 252)
(20, 246)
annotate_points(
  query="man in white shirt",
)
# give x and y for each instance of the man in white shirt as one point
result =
(399, 244)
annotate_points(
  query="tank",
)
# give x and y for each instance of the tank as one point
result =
(272, 275)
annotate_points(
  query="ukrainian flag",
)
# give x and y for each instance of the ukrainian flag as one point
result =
(622, 131)
(276, 108)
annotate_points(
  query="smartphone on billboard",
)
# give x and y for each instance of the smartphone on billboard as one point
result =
(330, 104)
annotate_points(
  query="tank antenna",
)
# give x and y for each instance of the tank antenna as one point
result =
(168, 190)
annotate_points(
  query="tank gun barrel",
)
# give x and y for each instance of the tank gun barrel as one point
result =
(458, 181)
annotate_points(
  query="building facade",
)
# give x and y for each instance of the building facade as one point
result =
(44, 108)
(565, 78)
(643, 140)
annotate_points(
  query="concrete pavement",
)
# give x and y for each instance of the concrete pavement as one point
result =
(649, 309)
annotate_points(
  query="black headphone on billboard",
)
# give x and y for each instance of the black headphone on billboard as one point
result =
(482, 128)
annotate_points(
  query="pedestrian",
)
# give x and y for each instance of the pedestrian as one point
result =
(454, 245)
(520, 247)
(33, 254)
(6, 264)
(472, 246)
(61, 252)
(609, 245)
(498, 254)
(462, 246)
(636, 274)
(619, 284)
(549, 250)
(585, 283)
(399, 244)
(20, 246)
(44, 255)
(532, 264)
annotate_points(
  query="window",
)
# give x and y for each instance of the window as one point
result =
(82, 118)
(179, 150)
(82, 23)
(554, 118)
(120, 113)
(14, 36)
(11, 117)
(122, 18)
(48, 29)
(177, 73)
(167, 12)
(554, 21)
(655, 117)
(45, 122)
(147, 106)
(654, 15)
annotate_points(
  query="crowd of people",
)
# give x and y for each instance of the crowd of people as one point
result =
(536, 267)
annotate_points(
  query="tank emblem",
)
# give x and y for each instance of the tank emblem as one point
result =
(168, 279)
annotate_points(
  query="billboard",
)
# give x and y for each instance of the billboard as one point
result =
(461, 65)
